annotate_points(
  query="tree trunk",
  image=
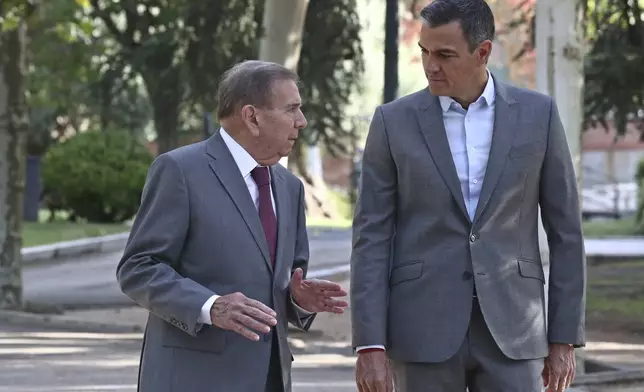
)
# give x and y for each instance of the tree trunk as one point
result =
(13, 135)
(165, 96)
(283, 23)
(281, 41)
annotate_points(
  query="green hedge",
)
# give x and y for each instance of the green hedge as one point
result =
(97, 176)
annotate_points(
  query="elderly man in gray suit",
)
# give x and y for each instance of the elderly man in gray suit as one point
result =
(218, 250)
(447, 285)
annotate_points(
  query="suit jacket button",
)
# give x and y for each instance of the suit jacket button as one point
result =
(473, 238)
(467, 275)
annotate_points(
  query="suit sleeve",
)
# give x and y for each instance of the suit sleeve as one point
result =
(296, 315)
(373, 231)
(147, 272)
(561, 215)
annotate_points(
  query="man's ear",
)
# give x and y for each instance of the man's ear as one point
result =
(249, 116)
(484, 50)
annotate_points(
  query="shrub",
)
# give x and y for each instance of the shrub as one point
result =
(97, 176)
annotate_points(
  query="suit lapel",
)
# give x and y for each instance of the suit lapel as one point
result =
(224, 167)
(281, 205)
(505, 122)
(430, 120)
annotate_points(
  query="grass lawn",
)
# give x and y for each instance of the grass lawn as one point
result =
(610, 227)
(45, 232)
(49, 232)
(615, 299)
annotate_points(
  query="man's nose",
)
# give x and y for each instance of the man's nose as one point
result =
(300, 122)
(432, 67)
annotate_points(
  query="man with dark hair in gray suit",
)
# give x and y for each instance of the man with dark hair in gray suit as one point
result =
(219, 249)
(447, 283)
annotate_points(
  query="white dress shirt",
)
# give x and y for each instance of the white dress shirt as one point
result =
(246, 163)
(469, 134)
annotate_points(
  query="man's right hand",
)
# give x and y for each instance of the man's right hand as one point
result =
(373, 373)
(238, 313)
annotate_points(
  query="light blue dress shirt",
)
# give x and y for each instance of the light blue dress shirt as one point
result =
(469, 133)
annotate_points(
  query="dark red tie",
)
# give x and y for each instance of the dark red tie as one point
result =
(266, 213)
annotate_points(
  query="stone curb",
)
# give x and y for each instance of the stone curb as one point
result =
(115, 242)
(52, 252)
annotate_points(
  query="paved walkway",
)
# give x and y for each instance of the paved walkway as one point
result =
(324, 361)
(37, 359)
(615, 246)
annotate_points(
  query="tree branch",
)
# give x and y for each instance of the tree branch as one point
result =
(104, 15)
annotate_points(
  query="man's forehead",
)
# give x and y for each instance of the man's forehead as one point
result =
(446, 36)
(287, 92)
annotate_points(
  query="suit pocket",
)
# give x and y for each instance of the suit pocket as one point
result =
(211, 340)
(531, 269)
(407, 271)
(526, 149)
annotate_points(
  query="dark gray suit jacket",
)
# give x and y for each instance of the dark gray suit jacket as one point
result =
(417, 255)
(197, 233)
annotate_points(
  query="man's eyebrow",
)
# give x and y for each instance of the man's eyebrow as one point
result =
(293, 105)
(439, 50)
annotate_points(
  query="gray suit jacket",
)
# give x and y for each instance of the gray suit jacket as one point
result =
(416, 254)
(197, 233)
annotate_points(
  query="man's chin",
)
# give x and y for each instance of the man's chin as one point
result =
(438, 90)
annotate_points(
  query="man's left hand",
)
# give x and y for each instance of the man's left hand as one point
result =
(316, 295)
(559, 367)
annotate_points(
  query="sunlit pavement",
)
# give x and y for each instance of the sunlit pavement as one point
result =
(35, 359)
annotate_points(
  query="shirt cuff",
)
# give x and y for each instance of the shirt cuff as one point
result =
(204, 317)
(375, 346)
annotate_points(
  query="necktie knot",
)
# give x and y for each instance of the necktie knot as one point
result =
(260, 175)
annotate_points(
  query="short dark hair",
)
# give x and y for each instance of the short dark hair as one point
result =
(249, 83)
(474, 16)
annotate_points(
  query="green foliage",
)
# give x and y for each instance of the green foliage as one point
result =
(180, 48)
(72, 78)
(331, 67)
(97, 175)
(614, 76)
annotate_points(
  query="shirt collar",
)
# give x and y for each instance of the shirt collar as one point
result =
(245, 162)
(488, 95)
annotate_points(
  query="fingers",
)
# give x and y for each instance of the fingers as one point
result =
(545, 374)
(298, 275)
(245, 332)
(260, 306)
(330, 288)
(332, 303)
(252, 323)
(263, 317)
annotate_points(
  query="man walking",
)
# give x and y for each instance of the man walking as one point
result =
(218, 250)
(447, 285)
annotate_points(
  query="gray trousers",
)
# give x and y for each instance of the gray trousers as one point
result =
(274, 379)
(478, 366)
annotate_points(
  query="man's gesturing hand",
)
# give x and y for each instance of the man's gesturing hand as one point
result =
(237, 313)
(373, 373)
(316, 295)
(559, 367)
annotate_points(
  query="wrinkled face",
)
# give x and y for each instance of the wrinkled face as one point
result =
(276, 127)
(451, 68)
